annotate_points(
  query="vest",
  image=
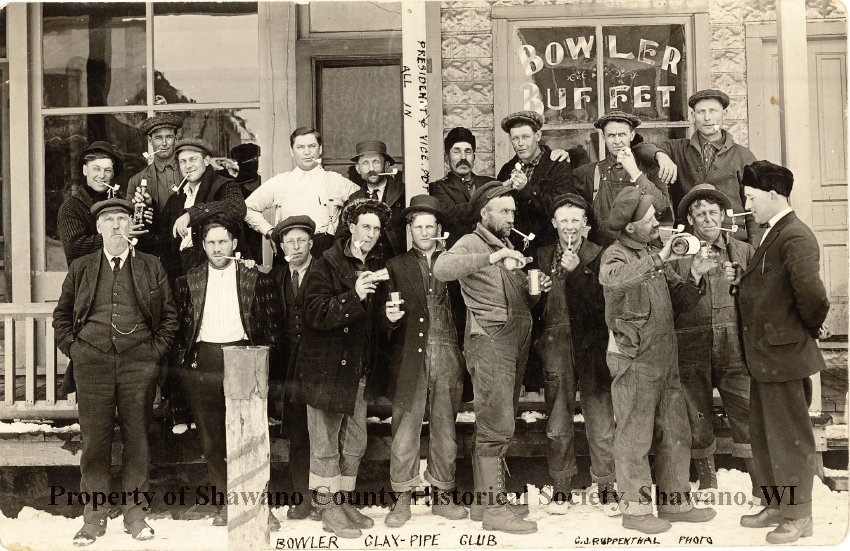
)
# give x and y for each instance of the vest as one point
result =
(115, 318)
(294, 309)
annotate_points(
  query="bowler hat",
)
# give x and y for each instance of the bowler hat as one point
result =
(424, 203)
(194, 144)
(301, 221)
(484, 194)
(113, 203)
(701, 191)
(531, 118)
(767, 176)
(107, 149)
(169, 120)
(371, 146)
(709, 94)
(629, 206)
(617, 116)
(458, 134)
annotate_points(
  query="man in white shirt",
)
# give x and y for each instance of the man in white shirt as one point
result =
(221, 303)
(307, 189)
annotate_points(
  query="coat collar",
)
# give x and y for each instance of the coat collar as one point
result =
(758, 257)
(491, 239)
(630, 242)
(411, 271)
(728, 142)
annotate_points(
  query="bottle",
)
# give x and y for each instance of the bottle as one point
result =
(684, 244)
(139, 208)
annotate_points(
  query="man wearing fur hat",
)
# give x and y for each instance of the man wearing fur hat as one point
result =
(709, 339)
(783, 305)
(618, 170)
(642, 292)
(341, 361)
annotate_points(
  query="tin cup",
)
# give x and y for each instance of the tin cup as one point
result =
(534, 282)
(395, 298)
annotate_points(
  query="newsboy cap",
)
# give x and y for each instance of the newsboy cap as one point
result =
(194, 144)
(160, 120)
(371, 146)
(107, 149)
(531, 118)
(301, 221)
(458, 134)
(701, 191)
(767, 176)
(110, 204)
(709, 93)
(629, 206)
(571, 199)
(617, 116)
(482, 195)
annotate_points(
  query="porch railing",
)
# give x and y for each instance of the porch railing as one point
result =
(28, 336)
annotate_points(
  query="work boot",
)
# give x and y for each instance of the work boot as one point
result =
(562, 492)
(769, 516)
(608, 499)
(648, 524)
(335, 520)
(442, 504)
(89, 533)
(490, 482)
(400, 511)
(791, 530)
(300, 511)
(139, 530)
(695, 514)
(357, 518)
(476, 511)
(706, 472)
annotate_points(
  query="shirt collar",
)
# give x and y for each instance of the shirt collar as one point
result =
(380, 187)
(162, 165)
(226, 270)
(122, 256)
(778, 216)
(303, 268)
(536, 160)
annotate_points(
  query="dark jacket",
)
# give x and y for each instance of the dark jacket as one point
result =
(585, 311)
(783, 303)
(454, 198)
(153, 295)
(288, 355)
(394, 232)
(259, 308)
(342, 339)
(409, 335)
(216, 197)
(76, 226)
(549, 180)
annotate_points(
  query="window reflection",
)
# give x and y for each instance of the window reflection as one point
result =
(222, 128)
(93, 54)
(206, 52)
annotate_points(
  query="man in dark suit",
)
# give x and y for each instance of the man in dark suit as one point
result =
(373, 163)
(426, 367)
(783, 305)
(204, 196)
(221, 303)
(535, 178)
(115, 319)
(294, 235)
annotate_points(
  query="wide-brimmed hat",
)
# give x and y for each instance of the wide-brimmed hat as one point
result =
(702, 191)
(107, 149)
(425, 203)
(371, 146)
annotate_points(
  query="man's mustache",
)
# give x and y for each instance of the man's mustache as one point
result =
(371, 174)
(463, 162)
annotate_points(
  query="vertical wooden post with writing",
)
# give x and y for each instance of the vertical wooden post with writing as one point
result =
(414, 81)
(246, 377)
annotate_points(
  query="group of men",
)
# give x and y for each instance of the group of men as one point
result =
(643, 329)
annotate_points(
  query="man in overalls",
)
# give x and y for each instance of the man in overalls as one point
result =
(498, 334)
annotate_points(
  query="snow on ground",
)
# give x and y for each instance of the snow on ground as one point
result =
(38, 530)
(26, 427)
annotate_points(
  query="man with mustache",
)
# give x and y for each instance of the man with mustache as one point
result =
(100, 163)
(709, 156)
(204, 196)
(709, 338)
(221, 303)
(371, 160)
(115, 319)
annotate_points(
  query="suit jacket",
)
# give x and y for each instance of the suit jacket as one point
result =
(549, 180)
(395, 232)
(288, 356)
(409, 335)
(783, 303)
(454, 198)
(259, 308)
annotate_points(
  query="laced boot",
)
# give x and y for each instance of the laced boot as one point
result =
(562, 491)
(498, 515)
(442, 504)
(400, 511)
(357, 518)
(608, 499)
(334, 518)
(706, 472)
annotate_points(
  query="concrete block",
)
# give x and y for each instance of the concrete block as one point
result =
(465, 20)
(759, 10)
(468, 92)
(467, 69)
(455, 115)
(734, 84)
(731, 37)
(465, 46)
(728, 61)
(725, 12)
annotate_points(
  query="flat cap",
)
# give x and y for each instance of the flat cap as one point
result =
(371, 146)
(113, 203)
(571, 199)
(617, 116)
(702, 191)
(629, 206)
(484, 194)
(301, 221)
(425, 203)
(194, 144)
(709, 93)
(170, 120)
(767, 176)
(107, 149)
(458, 134)
(531, 118)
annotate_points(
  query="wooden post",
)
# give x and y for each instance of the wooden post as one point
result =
(414, 80)
(246, 388)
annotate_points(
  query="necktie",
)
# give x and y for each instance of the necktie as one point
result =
(373, 194)
(116, 265)
(296, 277)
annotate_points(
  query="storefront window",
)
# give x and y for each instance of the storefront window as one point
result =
(206, 52)
(93, 54)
